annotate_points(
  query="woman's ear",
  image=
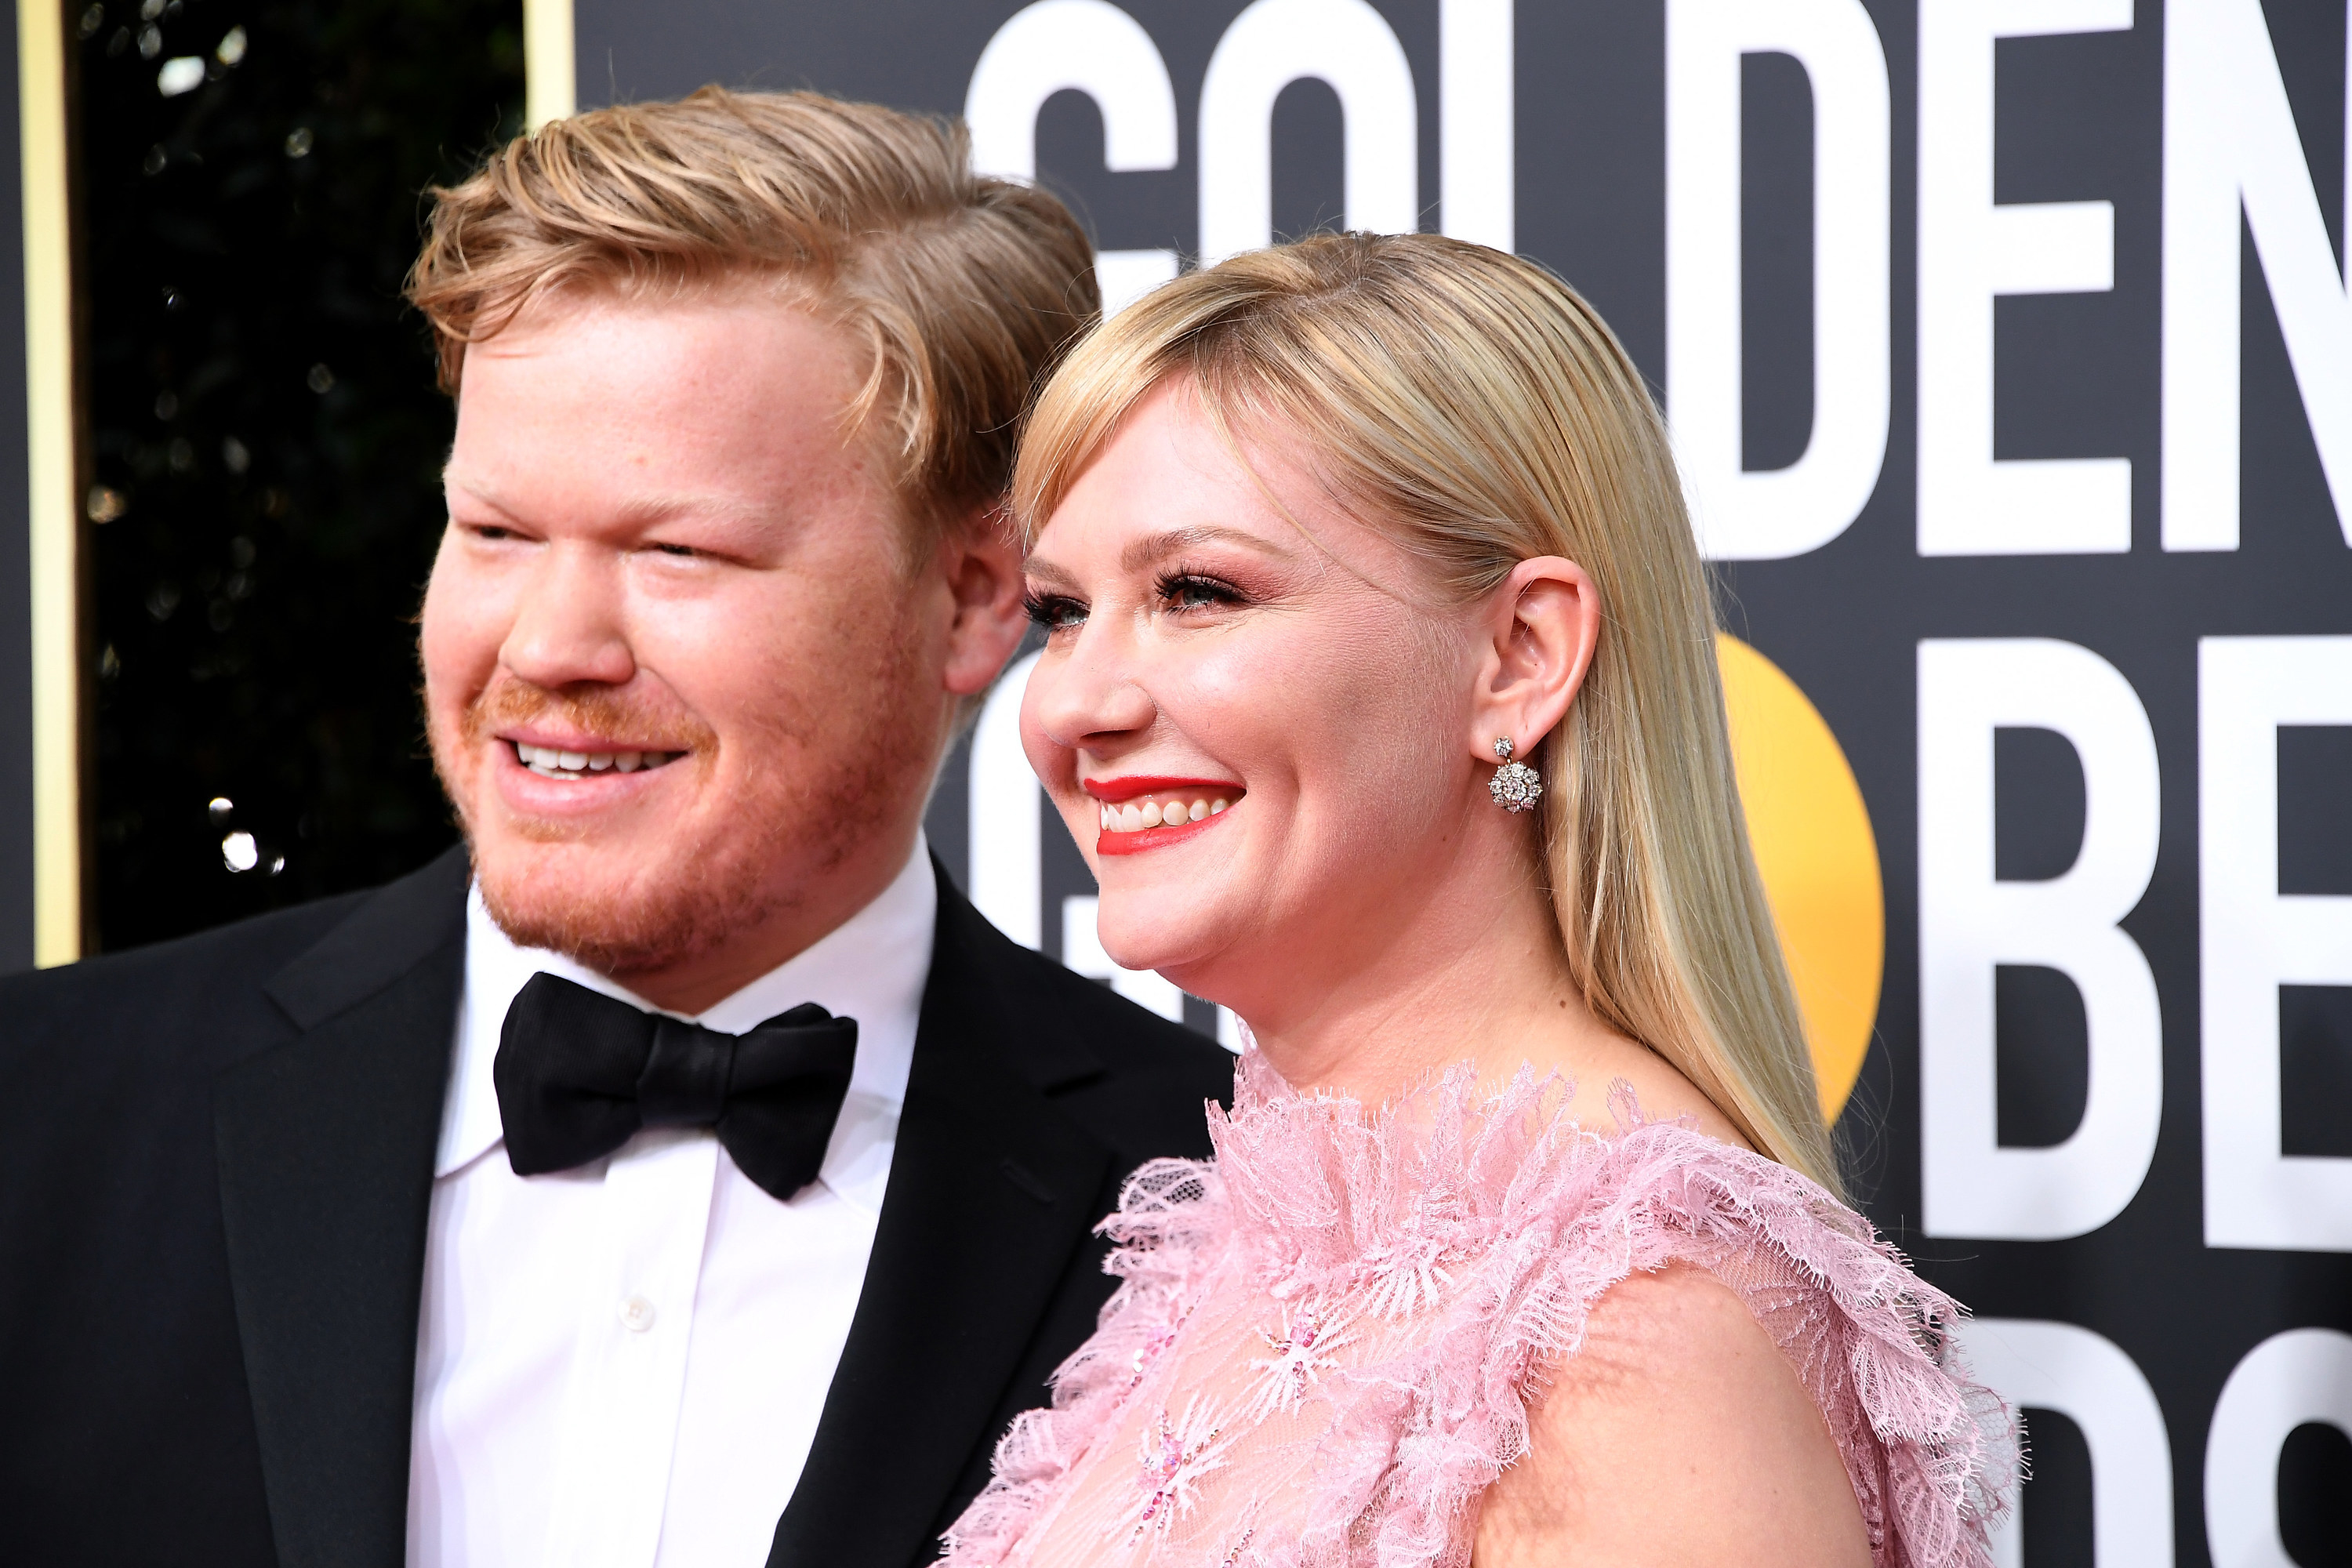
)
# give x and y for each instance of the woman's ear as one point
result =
(1541, 625)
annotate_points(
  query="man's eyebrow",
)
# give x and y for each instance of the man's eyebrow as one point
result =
(646, 510)
(1155, 546)
(637, 511)
(456, 478)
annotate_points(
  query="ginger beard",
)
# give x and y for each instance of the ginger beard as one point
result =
(772, 809)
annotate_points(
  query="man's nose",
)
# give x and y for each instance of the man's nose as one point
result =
(570, 626)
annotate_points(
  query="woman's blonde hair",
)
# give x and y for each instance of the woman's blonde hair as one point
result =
(1471, 405)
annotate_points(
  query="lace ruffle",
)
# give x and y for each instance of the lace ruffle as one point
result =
(1494, 1225)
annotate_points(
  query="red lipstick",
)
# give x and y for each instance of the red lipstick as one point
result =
(1112, 791)
(1151, 837)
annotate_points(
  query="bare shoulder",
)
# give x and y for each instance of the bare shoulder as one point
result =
(1678, 1435)
(1661, 1091)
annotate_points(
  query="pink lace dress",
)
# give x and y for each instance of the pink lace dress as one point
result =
(1328, 1337)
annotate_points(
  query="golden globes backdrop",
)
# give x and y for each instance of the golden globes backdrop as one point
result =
(2009, 356)
(2008, 351)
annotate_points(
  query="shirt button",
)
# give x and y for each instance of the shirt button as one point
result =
(637, 1314)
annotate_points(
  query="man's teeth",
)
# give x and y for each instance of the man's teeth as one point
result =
(1138, 815)
(550, 763)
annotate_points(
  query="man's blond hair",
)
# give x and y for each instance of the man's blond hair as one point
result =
(960, 289)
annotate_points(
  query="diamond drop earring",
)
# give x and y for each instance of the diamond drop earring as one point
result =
(1514, 785)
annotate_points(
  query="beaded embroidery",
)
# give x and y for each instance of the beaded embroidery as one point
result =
(1302, 1353)
(1176, 1455)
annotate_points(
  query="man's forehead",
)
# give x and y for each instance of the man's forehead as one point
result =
(756, 374)
(735, 408)
(551, 313)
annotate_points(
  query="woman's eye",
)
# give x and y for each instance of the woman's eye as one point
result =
(1054, 611)
(1191, 591)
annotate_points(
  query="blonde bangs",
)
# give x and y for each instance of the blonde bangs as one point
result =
(1105, 374)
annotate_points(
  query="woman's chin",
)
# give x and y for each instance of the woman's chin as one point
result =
(1156, 934)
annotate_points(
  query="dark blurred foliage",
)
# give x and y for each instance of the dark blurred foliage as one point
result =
(266, 435)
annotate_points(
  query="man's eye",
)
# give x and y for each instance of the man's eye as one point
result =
(678, 551)
(1054, 611)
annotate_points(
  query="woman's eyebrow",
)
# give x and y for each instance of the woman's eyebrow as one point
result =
(1152, 547)
(1047, 573)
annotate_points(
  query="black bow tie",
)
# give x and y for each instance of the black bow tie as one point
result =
(578, 1073)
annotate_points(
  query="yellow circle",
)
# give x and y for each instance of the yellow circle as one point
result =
(1817, 855)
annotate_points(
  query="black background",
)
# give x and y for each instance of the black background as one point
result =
(250, 628)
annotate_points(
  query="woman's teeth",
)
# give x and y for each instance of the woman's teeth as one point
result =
(550, 764)
(1138, 815)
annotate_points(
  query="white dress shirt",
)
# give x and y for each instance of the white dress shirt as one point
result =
(622, 1366)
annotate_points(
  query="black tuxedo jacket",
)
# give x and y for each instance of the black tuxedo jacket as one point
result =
(215, 1159)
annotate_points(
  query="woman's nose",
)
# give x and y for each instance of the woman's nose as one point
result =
(569, 627)
(1087, 694)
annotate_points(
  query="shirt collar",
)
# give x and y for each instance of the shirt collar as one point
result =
(872, 967)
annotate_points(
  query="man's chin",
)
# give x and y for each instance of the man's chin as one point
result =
(599, 906)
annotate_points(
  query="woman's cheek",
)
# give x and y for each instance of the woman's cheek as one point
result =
(1237, 678)
(1319, 671)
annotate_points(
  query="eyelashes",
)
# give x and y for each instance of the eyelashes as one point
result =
(1053, 611)
(1179, 590)
(1186, 589)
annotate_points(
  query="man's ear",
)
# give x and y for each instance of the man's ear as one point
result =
(979, 559)
(1541, 627)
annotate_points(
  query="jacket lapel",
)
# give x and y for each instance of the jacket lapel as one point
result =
(325, 1146)
(992, 1194)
